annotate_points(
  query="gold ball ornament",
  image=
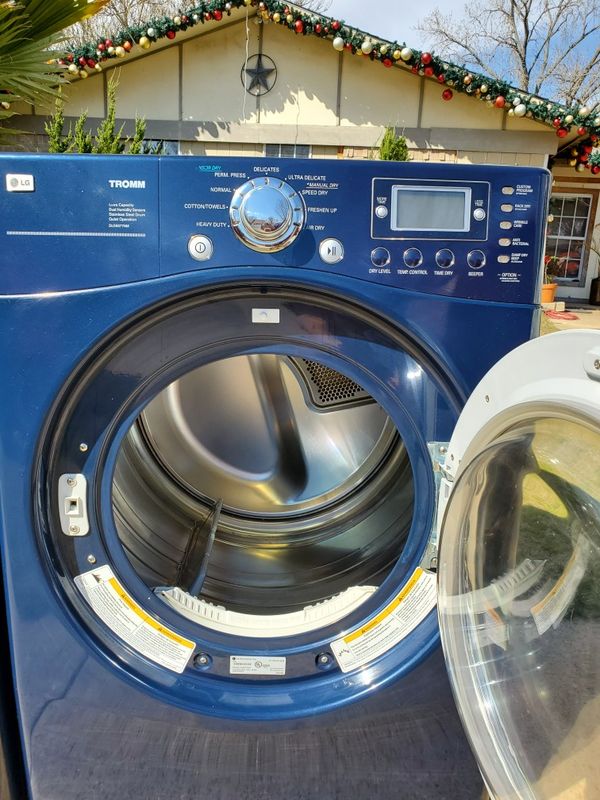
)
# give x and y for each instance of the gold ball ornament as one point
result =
(247, 2)
(120, 52)
(5, 105)
(144, 42)
(383, 49)
(82, 73)
(397, 55)
(289, 18)
(484, 88)
(572, 162)
(98, 67)
(580, 167)
(277, 17)
(405, 54)
(468, 79)
(511, 112)
(265, 15)
(73, 69)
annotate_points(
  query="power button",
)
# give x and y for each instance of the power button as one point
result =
(200, 248)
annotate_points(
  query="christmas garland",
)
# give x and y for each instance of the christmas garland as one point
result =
(454, 78)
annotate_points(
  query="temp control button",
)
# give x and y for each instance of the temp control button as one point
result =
(476, 259)
(444, 258)
(381, 212)
(413, 257)
(479, 214)
(200, 248)
(380, 257)
(331, 251)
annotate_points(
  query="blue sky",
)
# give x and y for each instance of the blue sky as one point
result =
(393, 19)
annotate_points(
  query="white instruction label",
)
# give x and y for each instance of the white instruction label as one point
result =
(409, 608)
(130, 622)
(257, 665)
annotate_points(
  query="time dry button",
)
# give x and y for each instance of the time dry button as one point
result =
(331, 251)
(381, 212)
(479, 214)
(444, 258)
(200, 248)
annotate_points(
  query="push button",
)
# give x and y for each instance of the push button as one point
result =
(380, 257)
(413, 257)
(506, 207)
(331, 251)
(476, 259)
(508, 190)
(506, 225)
(479, 214)
(200, 248)
(504, 242)
(444, 258)
(381, 212)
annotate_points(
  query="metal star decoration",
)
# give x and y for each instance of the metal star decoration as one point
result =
(259, 74)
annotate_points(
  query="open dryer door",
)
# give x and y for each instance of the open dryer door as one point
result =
(519, 570)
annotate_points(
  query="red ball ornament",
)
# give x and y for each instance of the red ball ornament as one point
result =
(593, 138)
(101, 47)
(426, 58)
(218, 15)
(298, 26)
(127, 46)
(595, 169)
(583, 157)
(336, 25)
(348, 45)
(441, 78)
(387, 62)
(428, 71)
(447, 94)
(581, 131)
(318, 27)
(557, 122)
(561, 133)
(414, 70)
(207, 15)
(70, 58)
(108, 42)
(185, 20)
(325, 30)
(500, 101)
(91, 63)
(170, 34)
(587, 148)
(82, 61)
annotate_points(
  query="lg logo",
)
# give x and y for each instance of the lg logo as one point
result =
(114, 184)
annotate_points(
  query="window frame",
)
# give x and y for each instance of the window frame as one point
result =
(279, 146)
(573, 193)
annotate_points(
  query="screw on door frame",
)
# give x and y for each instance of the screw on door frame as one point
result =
(597, 363)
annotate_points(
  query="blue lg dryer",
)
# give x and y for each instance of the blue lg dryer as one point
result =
(228, 390)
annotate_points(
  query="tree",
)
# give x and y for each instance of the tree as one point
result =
(393, 147)
(107, 140)
(547, 47)
(28, 31)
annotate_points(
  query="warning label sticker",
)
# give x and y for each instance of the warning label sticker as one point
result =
(130, 622)
(410, 607)
(256, 665)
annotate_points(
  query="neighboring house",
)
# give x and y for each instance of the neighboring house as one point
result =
(239, 79)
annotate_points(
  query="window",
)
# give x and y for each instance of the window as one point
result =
(567, 232)
(160, 147)
(287, 150)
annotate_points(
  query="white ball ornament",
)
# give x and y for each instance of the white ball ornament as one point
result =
(406, 54)
(520, 110)
(338, 43)
(151, 33)
(73, 69)
(584, 111)
(177, 20)
(569, 119)
(383, 49)
(111, 51)
(367, 46)
(516, 101)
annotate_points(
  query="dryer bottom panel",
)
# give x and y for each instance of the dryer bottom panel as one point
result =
(405, 742)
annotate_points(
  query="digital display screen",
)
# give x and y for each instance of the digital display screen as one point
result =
(430, 209)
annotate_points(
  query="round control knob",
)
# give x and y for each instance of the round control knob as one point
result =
(267, 214)
(479, 214)
(476, 259)
(413, 257)
(444, 258)
(380, 257)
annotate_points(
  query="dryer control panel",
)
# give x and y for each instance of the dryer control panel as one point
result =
(465, 231)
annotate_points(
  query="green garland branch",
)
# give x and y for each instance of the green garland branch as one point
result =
(582, 119)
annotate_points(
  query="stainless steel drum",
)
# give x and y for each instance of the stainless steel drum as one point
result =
(315, 483)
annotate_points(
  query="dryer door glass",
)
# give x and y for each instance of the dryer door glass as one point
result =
(520, 607)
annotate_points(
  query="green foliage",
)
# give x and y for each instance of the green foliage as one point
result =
(393, 147)
(28, 32)
(106, 140)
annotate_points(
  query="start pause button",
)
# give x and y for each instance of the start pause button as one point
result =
(331, 251)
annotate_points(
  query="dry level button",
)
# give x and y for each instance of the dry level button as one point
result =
(200, 248)
(506, 207)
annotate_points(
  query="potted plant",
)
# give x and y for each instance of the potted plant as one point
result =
(549, 286)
